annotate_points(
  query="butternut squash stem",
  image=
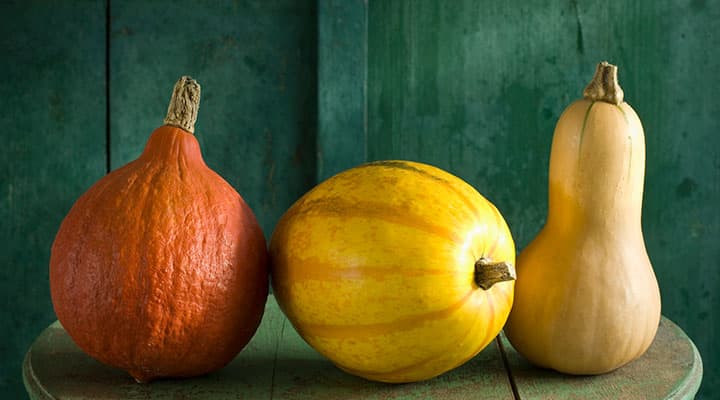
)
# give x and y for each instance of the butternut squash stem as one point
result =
(488, 273)
(604, 85)
(184, 104)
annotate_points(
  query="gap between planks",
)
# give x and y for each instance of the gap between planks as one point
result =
(506, 363)
(275, 359)
(108, 32)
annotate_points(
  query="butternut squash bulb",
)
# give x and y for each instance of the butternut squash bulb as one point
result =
(160, 268)
(586, 299)
(396, 271)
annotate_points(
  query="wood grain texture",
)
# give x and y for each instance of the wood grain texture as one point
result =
(52, 113)
(56, 368)
(256, 63)
(670, 369)
(681, 221)
(342, 81)
(276, 364)
(476, 87)
(302, 373)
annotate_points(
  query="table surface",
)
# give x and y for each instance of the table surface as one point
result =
(278, 364)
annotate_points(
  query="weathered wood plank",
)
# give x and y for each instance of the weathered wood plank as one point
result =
(256, 63)
(342, 81)
(476, 87)
(52, 113)
(671, 369)
(676, 88)
(302, 373)
(56, 368)
(276, 364)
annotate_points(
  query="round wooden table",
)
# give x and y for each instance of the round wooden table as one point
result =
(278, 364)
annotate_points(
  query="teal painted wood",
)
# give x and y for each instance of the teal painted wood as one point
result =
(477, 87)
(256, 63)
(52, 113)
(670, 369)
(276, 364)
(342, 72)
(682, 187)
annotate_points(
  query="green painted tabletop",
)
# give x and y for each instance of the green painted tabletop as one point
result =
(278, 364)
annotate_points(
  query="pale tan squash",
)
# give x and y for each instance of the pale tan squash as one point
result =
(586, 298)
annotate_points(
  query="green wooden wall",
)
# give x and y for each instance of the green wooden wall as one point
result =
(52, 115)
(295, 91)
(476, 87)
(84, 83)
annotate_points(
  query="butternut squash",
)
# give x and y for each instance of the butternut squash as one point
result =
(586, 298)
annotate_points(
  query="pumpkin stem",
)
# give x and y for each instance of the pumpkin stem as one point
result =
(184, 104)
(604, 85)
(488, 273)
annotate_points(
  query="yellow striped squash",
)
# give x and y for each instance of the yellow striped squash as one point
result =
(381, 269)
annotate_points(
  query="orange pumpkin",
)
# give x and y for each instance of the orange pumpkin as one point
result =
(160, 268)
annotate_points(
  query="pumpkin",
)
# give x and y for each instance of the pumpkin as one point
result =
(396, 271)
(160, 268)
(586, 299)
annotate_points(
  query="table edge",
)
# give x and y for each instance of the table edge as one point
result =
(685, 391)
(693, 378)
(33, 387)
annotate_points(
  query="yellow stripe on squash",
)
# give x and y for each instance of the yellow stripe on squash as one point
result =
(375, 269)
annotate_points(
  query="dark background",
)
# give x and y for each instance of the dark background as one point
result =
(474, 87)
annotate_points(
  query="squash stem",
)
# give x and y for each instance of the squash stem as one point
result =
(604, 85)
(184, 104)
(488, 273)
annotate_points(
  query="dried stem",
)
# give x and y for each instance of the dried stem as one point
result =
(184, 104)
(488, 273)
(604, 85)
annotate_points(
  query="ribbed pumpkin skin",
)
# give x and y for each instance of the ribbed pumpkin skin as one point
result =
(374, 268)
(160, 268)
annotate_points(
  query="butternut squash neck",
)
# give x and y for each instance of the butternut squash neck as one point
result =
(596, 172)
(605, 87)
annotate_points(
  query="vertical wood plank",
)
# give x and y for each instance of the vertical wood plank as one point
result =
(477, 87)
(675, 93)
(53, 130)
(474, 88)
(256, 63)
(342, 81)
